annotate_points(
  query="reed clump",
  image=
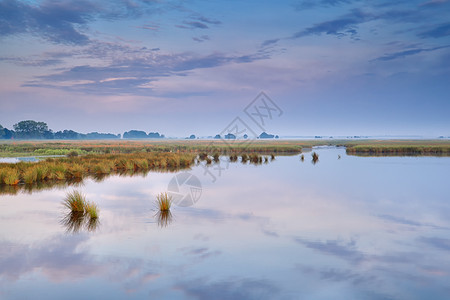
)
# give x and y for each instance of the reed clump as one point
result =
(91, 210)
(75, 201)
(164, 201)
(10, 176)
(82, 213)
(315, 157)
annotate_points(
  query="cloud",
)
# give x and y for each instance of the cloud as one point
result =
(54, 21)
(439, 31)
(346, 251)
(269, 42)
(209, 21)
(31, 62)
(399, 220)
(193, 25)
(231, 289)
(198, 22)
(201, 39)
(132, 69)
(153, 27)
(342, 26)
(347, 24)
(440, 243)
(405, 53)
(310, 4)
(435, 2)
(65, 22)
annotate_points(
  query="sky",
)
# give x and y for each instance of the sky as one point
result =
(326, 67)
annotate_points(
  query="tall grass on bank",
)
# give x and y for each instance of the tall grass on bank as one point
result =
(83, 147)
(9, 176)
(70, 168)
(399, 150)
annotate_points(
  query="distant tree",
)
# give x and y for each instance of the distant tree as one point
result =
(265, 135)
(8, 134)
(67, 135)
(49, 135)
(100, 136)
(192, 136)
(230, 136)
(134, 134)
(5, 133)
(245, 136)
(30, 129)
(155, 135)
(217, 136)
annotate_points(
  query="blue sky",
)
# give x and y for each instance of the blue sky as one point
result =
(334, 67)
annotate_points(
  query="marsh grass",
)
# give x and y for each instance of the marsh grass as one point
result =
(399, 150)
(315, 157)
(91, 210)
(75, 201)
(91, 165)
(82, 213)
(164, 201)
(30, 176)
(11, 176)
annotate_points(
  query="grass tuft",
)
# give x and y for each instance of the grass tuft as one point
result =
(82, 214)
(11, 176)
(75, 201)
(315, 157)
(91, 210)
(164, 201)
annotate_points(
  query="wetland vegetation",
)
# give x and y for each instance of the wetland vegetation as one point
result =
(97, 159)
(81, 213)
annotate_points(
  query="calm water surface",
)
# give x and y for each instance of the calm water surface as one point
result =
(349, 228)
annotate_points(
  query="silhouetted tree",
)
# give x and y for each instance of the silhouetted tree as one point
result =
(30, 129)
(135, 134)
(67, 135)
(155, 135)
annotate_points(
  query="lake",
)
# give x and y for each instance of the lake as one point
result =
(348, 228)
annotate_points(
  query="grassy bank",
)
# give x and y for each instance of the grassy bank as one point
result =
(94, 165)
(31, 148)
(400, 148)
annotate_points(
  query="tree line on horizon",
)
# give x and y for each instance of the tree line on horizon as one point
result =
(30, 129)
